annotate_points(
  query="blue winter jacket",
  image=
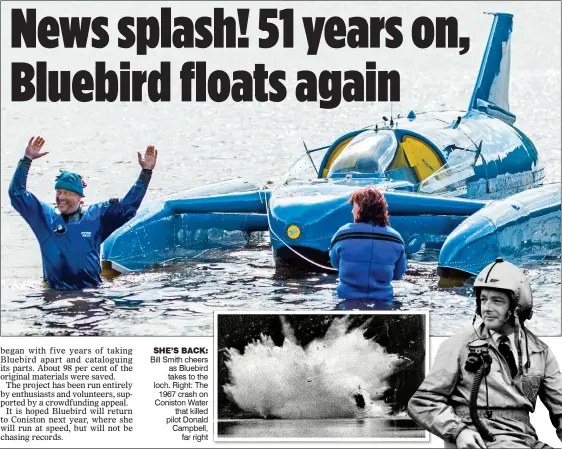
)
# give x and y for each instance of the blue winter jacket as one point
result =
(71, 249)
(368, 257)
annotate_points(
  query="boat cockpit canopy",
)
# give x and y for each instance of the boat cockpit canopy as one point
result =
(369, 152)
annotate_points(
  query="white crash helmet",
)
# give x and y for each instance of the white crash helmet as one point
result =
(502, 275)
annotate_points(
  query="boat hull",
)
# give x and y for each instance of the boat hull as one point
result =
(520, 228)
(221, 215)
(306, 218)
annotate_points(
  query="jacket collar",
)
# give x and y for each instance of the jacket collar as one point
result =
(480, 338)
(74, 216)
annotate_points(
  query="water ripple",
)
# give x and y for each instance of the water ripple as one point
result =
(183, 296)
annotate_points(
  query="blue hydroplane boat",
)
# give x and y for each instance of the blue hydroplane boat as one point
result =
(466, 183)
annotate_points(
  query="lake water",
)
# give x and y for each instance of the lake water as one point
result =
(205, 142)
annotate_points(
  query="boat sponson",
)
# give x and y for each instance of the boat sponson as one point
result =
(218, 215)
(524, 225)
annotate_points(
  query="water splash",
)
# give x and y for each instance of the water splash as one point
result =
(340, 375)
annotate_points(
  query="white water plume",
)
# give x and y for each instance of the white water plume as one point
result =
(340, 375)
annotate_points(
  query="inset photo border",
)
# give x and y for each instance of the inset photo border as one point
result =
(318, 376)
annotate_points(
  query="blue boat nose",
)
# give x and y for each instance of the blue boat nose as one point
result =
(471, 246)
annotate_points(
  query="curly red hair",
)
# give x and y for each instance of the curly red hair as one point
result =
(372, 206)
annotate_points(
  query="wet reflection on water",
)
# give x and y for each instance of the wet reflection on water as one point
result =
(179, 298)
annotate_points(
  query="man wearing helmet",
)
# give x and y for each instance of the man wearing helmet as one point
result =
(512, 363)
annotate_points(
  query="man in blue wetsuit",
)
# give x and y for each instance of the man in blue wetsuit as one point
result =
(70, 235)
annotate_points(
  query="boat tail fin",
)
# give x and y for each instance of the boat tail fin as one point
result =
(491, 92)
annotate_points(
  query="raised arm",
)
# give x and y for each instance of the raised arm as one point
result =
(23, 201)
(119, 212)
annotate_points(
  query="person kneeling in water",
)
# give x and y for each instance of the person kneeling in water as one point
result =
(70, 236)
(368, 253)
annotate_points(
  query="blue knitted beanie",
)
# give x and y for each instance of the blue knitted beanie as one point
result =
(70, 181)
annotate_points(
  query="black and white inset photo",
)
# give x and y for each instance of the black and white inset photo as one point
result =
(298, 376)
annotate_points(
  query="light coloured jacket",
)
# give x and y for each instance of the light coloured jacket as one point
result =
(445, 392)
